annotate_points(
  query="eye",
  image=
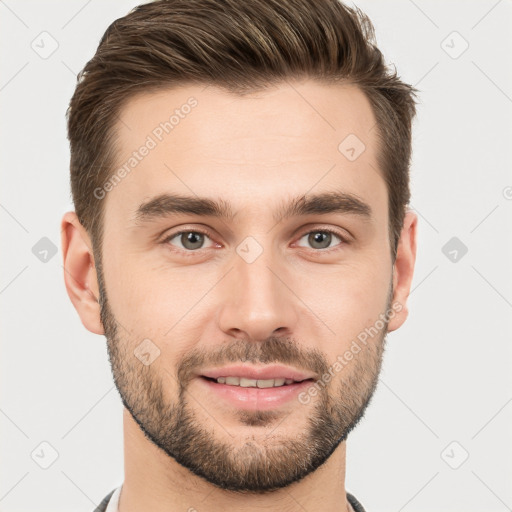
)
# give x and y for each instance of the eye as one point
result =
(321, 239)
(190, 240)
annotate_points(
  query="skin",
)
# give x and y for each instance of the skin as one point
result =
(293, 304)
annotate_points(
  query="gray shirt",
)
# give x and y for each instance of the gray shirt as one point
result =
(111, 500)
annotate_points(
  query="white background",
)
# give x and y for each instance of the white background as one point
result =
(447, 372)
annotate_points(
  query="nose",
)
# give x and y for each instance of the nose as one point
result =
(256, 301)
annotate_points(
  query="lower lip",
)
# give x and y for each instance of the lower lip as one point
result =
(256, 399)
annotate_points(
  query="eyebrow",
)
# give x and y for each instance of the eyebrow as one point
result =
(165, 205)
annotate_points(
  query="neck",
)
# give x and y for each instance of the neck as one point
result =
(154, 481)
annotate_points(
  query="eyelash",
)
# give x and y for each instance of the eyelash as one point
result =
(190, 253)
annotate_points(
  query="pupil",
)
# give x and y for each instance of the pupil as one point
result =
(192, 240)
(322, 238)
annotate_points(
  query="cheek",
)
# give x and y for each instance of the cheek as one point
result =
(156, 301)
(153, 300)
(135, 291)
(349, 297)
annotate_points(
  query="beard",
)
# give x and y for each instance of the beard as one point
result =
(251, 464)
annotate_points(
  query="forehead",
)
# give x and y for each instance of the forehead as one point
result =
(283, 141)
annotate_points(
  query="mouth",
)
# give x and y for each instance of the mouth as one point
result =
(248, 394)
(245, 382)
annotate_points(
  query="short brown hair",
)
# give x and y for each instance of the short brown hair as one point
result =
(240, 45)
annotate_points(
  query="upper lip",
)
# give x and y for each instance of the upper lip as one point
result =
(258, 373)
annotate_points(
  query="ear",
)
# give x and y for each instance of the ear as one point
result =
(403, 270)
(80, 272)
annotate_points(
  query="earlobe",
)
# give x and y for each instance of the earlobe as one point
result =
(403, 270)
(80, 272)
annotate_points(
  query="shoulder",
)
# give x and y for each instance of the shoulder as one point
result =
(102, 507)
(354, 503)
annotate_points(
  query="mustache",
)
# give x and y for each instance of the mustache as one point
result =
(272, 350)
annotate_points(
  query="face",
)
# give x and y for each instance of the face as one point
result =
(263, 288)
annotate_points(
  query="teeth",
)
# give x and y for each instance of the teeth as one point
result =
(269, 383)
(254, 383)
(247, 383)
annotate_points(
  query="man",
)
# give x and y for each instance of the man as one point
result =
(240, 173)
